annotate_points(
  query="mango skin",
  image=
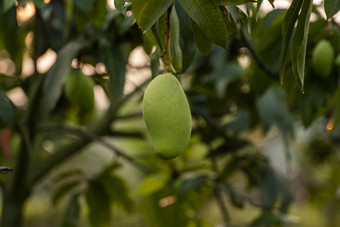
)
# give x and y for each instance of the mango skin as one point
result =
(322, 58)
(167, 116)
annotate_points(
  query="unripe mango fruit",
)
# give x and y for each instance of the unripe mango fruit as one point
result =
(167, 115)
(322, 58)
(79, 90)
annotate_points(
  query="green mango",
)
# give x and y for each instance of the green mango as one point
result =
(322, 58)
(167, 116)
(79, 90)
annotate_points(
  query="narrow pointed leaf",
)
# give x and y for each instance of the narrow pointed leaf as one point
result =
(115, 65)
(71, 217)
(55, 78)
(137, 7)
(6, 110)
(233, 2)
(176, 56)
(209, 18)
(98, 202)
(152, 11)
(119, 4)
(62, 190)
(287, 30)
(202, 42)
(298, 53)
(332, 7)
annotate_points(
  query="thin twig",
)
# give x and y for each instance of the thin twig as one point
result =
(272, 74)
(219, 197)
(93, 137)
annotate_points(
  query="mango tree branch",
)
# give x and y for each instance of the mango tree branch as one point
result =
(99, 127)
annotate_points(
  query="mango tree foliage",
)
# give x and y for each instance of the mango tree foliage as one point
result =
(243, 71)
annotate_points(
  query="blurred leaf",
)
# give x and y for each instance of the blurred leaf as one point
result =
(192, 183)
(99, 12)
(86, 6)
(332, 7)
(241, 121)
(152, 183)
(224, 75)
(56, 76)
(234, 2)
(119, 4)
(209, 18)
(287, 30)
(176, 57)
(6, 5)
(268, 186)
(233, 144)
(98, 202)
(149, 41)
(312, 105)
(71, 217)
(151, 12)
(155, 62)
(62, 190)
(202, 42)
(115, 63)
(187, 40)
(299, 45)
(67, 174)
(6, 110)
(118, 192)
(273, 109)
(336, 101)
(267, 219)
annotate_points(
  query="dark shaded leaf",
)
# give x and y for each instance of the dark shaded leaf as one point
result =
(6, 110)
(151, 12)
(98, 202)
(176, 56)
(202, 42)
(332, 7)
(56, 77)
(267, 219)
(115, 63)
(118, 192)
(209, 18)
(299, 45)
(287, 31)
(234, 2)
(71, 216)
(62, 190)
(67, 174)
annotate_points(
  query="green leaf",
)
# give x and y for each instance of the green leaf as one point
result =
(273, 109)
(118, 192)
(258, 6)
(155, 62)
(203, 43)
(98, 202)
(71, 216)
(62, 190)
(267, 218)
(6, 5)
(208, 16)
(332, 7)
(287, 30)
(152, 183)
(176, 56)
(152, 11)
(119, 4)
(56, 77)
(298, 53)
(115, 63)
(233, 2)
(67, 174)
(192, 183)
(6, 110)
(137, 7)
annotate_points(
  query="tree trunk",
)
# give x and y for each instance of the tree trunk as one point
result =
(12, 211)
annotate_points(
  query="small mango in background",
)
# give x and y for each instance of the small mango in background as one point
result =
(322, 58)
(167, 116)
(79, 90)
